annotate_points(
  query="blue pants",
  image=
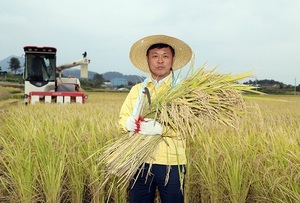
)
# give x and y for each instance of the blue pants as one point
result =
(143, 190)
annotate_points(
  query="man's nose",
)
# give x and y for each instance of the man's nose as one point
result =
(160, 58)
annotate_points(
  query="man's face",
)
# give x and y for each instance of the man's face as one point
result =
(160, 62)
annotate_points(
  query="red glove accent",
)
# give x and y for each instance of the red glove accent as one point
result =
(138, 125)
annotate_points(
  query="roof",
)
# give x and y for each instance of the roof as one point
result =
(36, 49)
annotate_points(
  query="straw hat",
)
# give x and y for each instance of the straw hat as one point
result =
(138, 51)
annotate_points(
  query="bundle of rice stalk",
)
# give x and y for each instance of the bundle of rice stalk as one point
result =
(124, 157)
(201, 96)
(204, 96)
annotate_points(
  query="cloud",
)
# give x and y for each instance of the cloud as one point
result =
(236, 35)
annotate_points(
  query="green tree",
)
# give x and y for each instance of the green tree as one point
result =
(14, 64)
(98, 80)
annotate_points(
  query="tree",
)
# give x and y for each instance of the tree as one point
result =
(98, 80)
(14, 64)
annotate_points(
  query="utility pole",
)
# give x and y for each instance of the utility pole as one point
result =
(255, 83)
(295, 87)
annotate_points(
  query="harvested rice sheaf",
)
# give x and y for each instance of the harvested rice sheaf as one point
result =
(203, 96)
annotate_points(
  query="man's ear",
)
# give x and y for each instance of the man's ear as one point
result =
(147, 59)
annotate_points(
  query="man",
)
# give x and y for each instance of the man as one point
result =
(158, 55)
(37, 66)
(39, 70)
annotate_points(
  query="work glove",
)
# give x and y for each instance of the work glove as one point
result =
(132, 124)
(149, 126)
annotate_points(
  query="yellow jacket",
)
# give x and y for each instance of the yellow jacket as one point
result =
(172, 150)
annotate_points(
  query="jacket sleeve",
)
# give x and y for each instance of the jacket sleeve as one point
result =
(127, 107)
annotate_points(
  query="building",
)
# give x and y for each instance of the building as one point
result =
(116, 82)
(3, 73)
(107, 85)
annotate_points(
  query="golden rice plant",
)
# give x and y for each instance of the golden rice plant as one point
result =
(13, 90)
(45, 149)
(203, 95)
(4, 94)
(257, 161)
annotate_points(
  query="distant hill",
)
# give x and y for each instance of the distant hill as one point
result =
(132, 78)
(75, 72)
(107, 76)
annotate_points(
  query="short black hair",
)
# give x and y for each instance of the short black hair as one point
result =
(159, 46)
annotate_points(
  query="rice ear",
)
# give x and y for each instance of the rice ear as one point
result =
(205, 93)
(204, 96)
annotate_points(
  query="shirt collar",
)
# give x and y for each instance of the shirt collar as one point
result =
(158, 83)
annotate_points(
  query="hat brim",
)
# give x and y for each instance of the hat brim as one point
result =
(138, 51)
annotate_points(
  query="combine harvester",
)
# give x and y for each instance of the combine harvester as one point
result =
(44, 81)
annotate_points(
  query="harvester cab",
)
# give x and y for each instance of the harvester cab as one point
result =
(44, 81)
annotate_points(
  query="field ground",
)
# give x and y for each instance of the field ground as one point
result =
(47, 152)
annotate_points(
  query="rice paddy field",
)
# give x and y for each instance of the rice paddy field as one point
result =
(49, 153)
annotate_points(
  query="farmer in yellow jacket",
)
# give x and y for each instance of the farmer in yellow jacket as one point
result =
(158, 55)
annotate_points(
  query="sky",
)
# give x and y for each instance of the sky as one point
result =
(236, 36)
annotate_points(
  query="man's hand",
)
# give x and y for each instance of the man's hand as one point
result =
(145, 126)
(150, 127)
(131, 124)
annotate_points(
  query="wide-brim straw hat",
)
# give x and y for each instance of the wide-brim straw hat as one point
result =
(138, 51)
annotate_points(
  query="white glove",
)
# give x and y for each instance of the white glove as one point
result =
(150, 127)
(131, 124)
